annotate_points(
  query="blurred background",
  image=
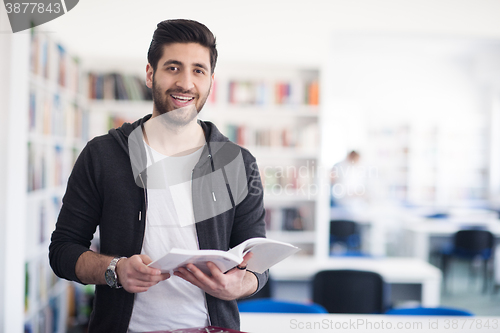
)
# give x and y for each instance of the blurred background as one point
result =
(375, 125)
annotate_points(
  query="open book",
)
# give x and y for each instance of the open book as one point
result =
(266, 253)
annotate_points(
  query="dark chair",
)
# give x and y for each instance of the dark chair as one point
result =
(345, 233)
(469, 245)
(350, 291)
(274, 306)
(440, 311)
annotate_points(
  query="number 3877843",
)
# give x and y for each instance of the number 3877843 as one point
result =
(33, 7)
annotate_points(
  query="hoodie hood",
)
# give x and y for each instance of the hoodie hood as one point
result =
(121, 134)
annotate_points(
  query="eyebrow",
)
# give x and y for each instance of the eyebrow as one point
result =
(179, 63)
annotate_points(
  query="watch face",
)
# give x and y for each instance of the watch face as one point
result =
(110, 278)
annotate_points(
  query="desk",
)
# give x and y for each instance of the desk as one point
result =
(297, 323)
(419, 233)
(393, 270)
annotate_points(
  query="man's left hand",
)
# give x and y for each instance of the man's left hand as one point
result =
(235, 284)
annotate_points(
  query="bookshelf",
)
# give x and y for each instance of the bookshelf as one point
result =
(272, 111)
(57, 129)
(115, 98)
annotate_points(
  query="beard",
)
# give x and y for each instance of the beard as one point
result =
(177, 117)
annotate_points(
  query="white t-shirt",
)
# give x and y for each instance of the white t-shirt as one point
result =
(173, 303)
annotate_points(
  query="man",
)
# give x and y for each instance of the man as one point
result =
(167, 180)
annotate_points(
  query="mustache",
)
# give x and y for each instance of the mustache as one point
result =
(181, 91)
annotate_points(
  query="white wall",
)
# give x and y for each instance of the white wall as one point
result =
(386, 81)
(262, 31)
(14, 55)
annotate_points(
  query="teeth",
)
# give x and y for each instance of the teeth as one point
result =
(182, 98)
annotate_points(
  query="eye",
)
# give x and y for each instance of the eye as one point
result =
(199, 71)
(172, 68)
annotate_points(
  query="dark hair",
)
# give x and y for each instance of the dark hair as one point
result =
(181, 31)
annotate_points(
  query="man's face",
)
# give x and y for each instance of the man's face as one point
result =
(181, 83)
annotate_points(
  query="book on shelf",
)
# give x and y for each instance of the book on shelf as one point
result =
(289, 92)
(50, 61)
(116, 86)
(289, 218)
(303, 137)
(62, 65)
(247, 93)
(312, 93)
(266, 253)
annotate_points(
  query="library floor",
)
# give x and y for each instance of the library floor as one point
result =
(463, 291)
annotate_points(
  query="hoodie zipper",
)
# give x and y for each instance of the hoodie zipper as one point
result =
(145, 200)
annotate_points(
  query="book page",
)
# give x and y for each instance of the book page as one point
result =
(179, 258)
(266, 252)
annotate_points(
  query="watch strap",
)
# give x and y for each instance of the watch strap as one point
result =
(112, 267)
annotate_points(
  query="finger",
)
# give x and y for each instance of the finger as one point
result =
(243, 265)
(208, 282)
(183, 273)
(143, 283)
(136, 287)
(215, 271)
(198, 273)
(246, 258)
(140, 262)
(196, 276)
(146, 278)
(146, 260)
(139, 266)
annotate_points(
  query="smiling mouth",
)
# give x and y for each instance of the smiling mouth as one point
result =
(183, 99)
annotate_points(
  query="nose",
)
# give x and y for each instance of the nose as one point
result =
(185, 80)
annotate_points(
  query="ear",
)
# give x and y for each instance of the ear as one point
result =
(212, 82)
(149, 76)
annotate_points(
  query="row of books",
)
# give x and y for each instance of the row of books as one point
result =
(295, 92)
(50, 115)
(49, 165)
(289, 218)
(302, 137)
(51, 61)
(39, 281)
(116, 86)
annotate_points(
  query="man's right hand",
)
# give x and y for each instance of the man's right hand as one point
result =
(135, 276)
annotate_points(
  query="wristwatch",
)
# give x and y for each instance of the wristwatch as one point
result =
(110, 275)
